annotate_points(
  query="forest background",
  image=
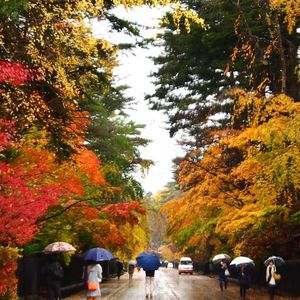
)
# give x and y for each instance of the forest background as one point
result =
(228, 81)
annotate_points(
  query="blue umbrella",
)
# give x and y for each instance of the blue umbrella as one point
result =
(97, 254)
(148, 261)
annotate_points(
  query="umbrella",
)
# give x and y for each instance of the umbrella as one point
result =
(97, 254)
(132, 262)
(278, 261)
(242, 260)
(148, 261)
(57, 247)
(219, 257)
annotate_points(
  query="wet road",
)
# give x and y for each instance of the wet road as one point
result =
(168, 285)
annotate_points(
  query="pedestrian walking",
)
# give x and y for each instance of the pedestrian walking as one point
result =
(223, 274)
(244, 279)
(130, 270)
(270, 279)
(149, 284)
(52, 273)
(92, 276)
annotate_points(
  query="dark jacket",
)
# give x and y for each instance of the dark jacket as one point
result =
(52, 271)
(244, 277)
(221, 271)
(150, 273)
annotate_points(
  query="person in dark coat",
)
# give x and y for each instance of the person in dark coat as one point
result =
(119, 266)
(244, 279)
(149, 284)
(223, 268)
(53, 274)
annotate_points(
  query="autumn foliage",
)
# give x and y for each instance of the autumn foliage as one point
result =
(124, 212)
(21, 204)
(8, 267)
(17, 74)
(243, 190)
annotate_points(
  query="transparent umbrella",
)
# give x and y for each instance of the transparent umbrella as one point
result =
(242, 260)
(219, 257)
(278, 261)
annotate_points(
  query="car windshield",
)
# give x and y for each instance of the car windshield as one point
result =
(186, 262)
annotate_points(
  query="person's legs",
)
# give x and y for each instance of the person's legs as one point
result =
(151, 286)
(147, 287)
(221, 283)
(225, 283)
(50, 291)
(271, 291)
(242, 291)
(56, 290)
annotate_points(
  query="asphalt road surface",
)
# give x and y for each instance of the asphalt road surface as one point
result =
(168, 285)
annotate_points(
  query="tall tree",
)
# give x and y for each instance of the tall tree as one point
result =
(244, 44)
(116, 140)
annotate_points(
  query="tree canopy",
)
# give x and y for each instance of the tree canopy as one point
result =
(233, 87)
(244, 44)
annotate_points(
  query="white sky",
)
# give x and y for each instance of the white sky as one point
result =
(134, 71)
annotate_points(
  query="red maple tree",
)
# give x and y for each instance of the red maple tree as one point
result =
(22, 202)
(17, 74)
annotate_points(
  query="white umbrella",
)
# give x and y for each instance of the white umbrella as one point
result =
(278, 261)
(57, 247)
(132, 262)
(242, 260)
(219, 257)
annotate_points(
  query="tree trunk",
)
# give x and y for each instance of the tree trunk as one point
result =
(282, 56)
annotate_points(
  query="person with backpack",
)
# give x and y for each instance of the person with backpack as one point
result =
(53, 274)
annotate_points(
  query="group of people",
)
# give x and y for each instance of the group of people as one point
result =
(244, 277)
(92, 276)
(53, 273)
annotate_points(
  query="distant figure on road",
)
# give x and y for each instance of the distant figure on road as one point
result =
(52, 273)
(270, 271)
(130, 270)
(244, 279)
(223, 273)
(149, 284)
(92, 276)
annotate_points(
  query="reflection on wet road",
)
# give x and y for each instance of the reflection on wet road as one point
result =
(171, 286)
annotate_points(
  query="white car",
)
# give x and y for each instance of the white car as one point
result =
(185, 265)
(170, 265)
